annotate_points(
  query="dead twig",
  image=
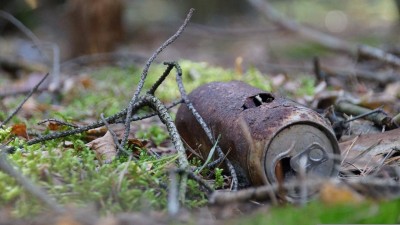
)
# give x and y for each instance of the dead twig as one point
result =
(144, 75)
(321, 38)
(163, 114)
(196, 178)
(161, 79)
(173, 198)
(262, 193)
(59, 122)
(204, 125)
(116, 118)
(115, 138)
(7, 16)
(372, 76)
(36, 191)
(78, 130)
(319, 74)
(396, 120)
(379, 117)
(136, 118)
(23, 101)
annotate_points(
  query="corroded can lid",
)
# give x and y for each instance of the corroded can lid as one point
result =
(301, 149)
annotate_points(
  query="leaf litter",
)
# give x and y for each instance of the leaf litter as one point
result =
(371, 153)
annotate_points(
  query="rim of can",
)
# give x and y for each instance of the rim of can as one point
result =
(270, 170)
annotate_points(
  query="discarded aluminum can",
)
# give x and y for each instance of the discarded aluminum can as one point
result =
(268, 139)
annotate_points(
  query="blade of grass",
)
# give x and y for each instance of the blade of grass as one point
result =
(209, 156)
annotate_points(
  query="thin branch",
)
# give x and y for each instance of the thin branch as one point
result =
(204, 126)
(196, 178)
(215, 163)
(163, 114)
(161, 79)
(115, 138)
(23, 102)
(59, 122)
(378, 116)
(111, 119)
(173, 197)
(97, 124)
(136, 118)
(36, 191)
(21, 27)
(144, 74)
(262, 193)
(326, 40)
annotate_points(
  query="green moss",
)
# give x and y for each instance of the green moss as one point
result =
(320, 213)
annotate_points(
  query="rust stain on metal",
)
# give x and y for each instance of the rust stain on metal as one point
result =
(257, 127)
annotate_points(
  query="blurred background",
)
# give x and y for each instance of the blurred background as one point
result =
(220, 33)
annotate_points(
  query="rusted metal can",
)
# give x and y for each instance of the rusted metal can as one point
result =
(266, 137)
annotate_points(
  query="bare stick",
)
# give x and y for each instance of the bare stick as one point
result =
(123, 172)
(161, 79)
(173, 198)
(396, 120)
(144, 75)
(111, 119)
(261, 193)
(378, 116)
(23, 102)
(136, 118)
(36, 191)
(21, 27)
(115, 138)
(204, 126)
(196, 178)
(59, 122)
(162, 112)
(321, 38)
(97, 124)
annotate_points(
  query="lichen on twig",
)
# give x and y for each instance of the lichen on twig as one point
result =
(206, 129)
(34, 89)
(144, 74)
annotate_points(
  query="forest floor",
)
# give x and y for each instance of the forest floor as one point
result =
(86, 176)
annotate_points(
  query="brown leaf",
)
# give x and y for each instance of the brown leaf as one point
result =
(100, 131)
(53, 126)
(383, 142)
(338, 194)
(20, 130)
(86, 82)
(104, 147)
(369, 149)
(119, 130)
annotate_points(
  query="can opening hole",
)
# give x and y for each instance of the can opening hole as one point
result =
(257, 100)
(283, 170)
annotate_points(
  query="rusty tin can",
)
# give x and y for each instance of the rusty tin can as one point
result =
(265, 136)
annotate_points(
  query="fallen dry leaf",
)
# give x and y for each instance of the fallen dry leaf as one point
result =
(369, 149)
(338, 194)
(105, 148)
(20, 130)
(119, 130)
(53, 126)
(388, 140)
(86, 81)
